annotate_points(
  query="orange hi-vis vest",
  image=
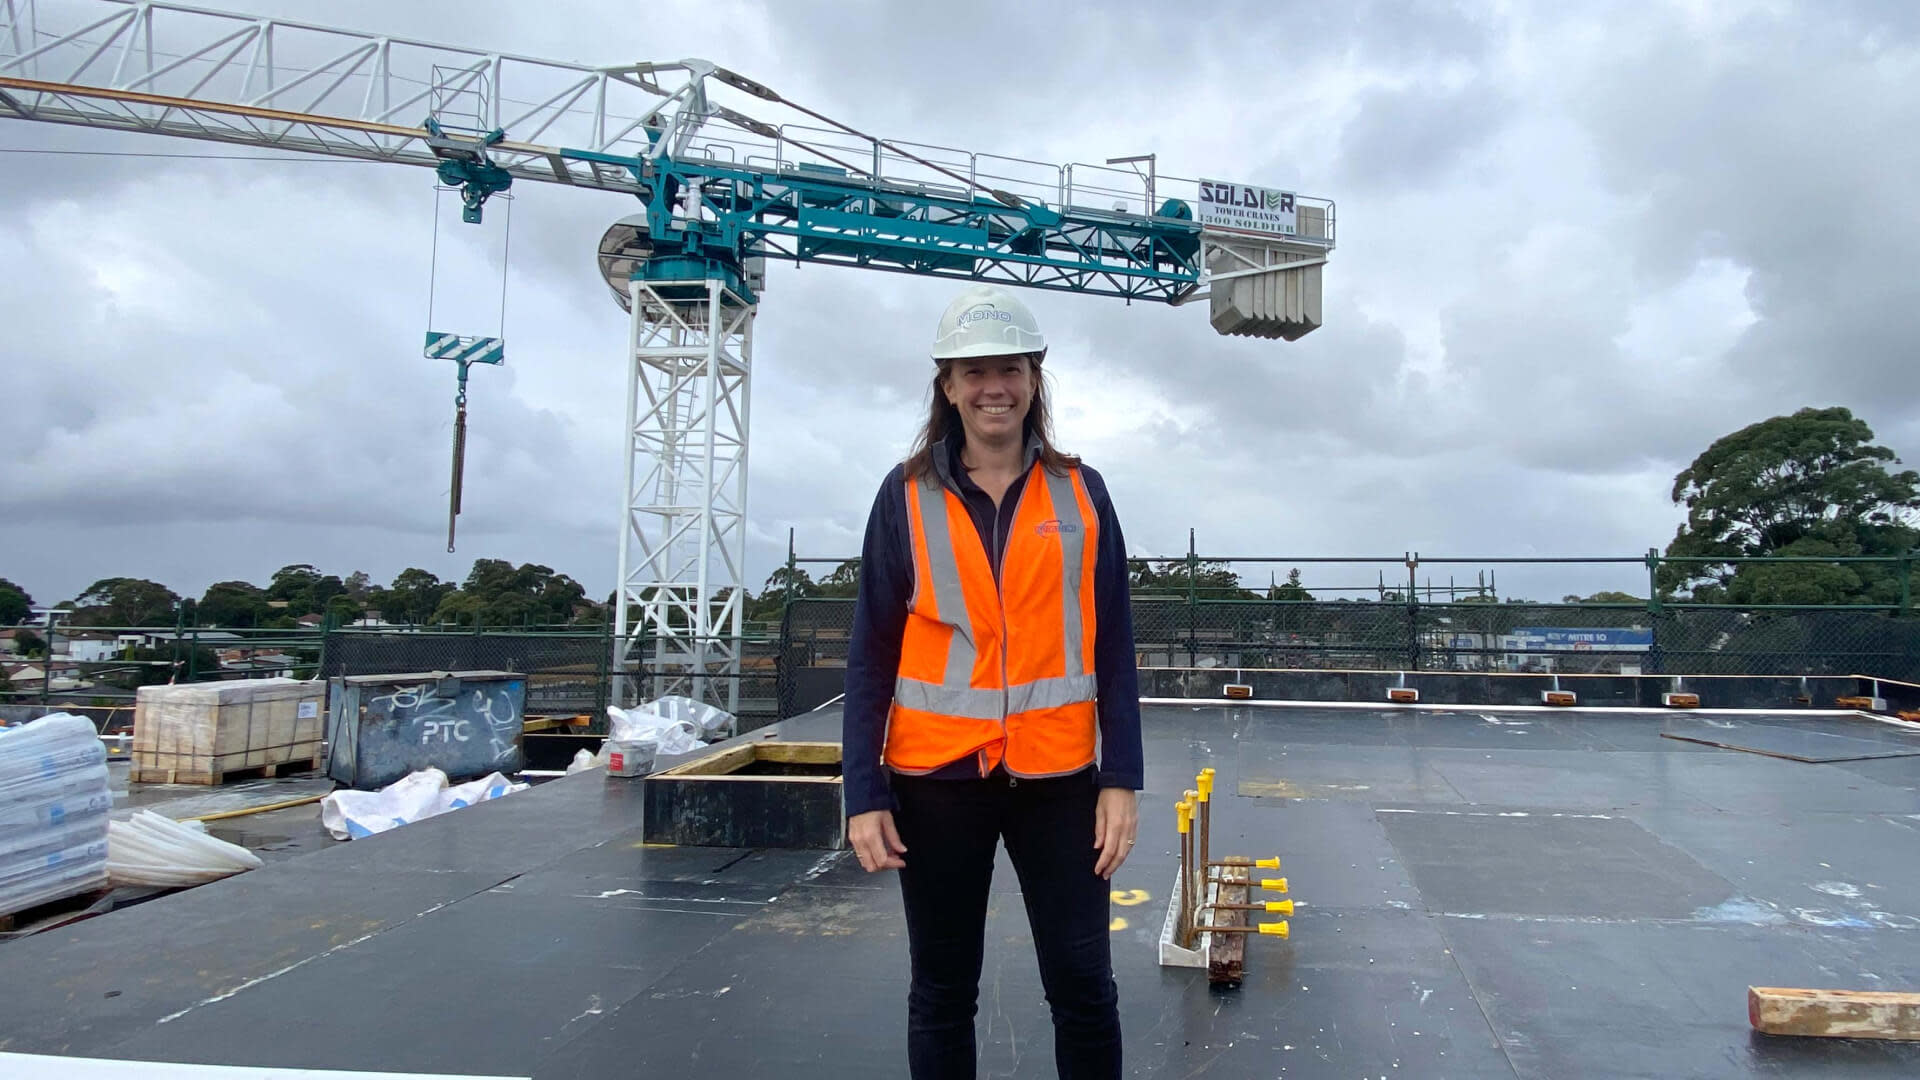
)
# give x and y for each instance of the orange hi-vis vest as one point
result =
(1000, 670)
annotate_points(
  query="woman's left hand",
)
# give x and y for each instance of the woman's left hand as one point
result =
(1116, 818)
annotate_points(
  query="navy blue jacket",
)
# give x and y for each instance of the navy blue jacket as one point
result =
(880, 620)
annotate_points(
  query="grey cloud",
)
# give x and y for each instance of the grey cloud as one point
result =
(1789, 149)
(1513, 361)
(1410, 136)
(261, 385)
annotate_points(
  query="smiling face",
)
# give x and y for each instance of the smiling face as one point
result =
(992, 394)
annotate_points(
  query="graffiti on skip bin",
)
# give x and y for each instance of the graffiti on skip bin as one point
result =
(471, 713)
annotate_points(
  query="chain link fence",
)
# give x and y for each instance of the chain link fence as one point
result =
(1209, 619)
(567, 672)
(814, 635)
(1200, 613)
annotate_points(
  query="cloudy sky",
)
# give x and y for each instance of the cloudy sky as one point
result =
(1575, 247)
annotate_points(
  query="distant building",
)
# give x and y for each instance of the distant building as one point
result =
(82, 647)
(33, 677)
(60, 616)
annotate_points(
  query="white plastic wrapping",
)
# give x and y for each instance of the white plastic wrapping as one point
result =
(150, 849)
(713, 723)
(675, 725)
(54, 805)
(350, 815)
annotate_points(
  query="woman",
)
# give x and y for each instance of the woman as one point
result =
(992, 647)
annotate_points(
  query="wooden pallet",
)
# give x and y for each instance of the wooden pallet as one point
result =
(1227, 953)
(203, 733)
(54, 912)
(185, 773)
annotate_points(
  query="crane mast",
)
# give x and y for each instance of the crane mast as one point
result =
(722, 188)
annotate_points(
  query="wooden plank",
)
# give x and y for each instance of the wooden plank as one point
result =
(1227, 953)
(798, 753)
(724, 762)
(1846, 1014)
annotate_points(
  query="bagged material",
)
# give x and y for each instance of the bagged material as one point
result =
(54, 808)
(712, 723)
(642, 725)
(150, 849)
(349, 815)
(674, 724)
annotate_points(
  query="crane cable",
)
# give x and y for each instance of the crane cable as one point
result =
(457, 483)
(766, 93)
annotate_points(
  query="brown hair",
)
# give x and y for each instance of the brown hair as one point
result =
(944, 419)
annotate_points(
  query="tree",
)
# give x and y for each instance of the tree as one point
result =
(1292, 590)
(123, 601)
(326, 589)
(343, 609)
(233, 603)
(1604, 596)
(298, 588)
(30, 644)
(1169, 577)
(785, 583)
(413, 597)
(843, 583)
(15, 605)
(359, 585)
(1811, 484)
(498, 593)
(292, 582)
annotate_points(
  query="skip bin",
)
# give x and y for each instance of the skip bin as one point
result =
(464, 723)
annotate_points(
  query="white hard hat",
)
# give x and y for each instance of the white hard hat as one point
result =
(986, 320)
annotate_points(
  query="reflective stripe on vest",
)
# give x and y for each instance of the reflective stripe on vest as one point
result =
(979, 684)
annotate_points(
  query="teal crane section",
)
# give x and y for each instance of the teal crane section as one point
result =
(816, 213)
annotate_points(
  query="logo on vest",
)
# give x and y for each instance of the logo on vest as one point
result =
(1055, 528)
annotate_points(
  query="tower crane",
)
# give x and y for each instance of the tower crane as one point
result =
(728, 174)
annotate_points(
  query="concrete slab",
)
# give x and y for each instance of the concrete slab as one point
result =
(1611, 932)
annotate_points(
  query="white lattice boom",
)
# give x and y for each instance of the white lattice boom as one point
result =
(273, 83)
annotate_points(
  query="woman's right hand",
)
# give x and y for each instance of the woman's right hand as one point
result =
(876, 841)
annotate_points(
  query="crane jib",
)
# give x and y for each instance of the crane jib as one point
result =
(808, 214)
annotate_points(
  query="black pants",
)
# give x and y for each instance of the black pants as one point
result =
(951, 829)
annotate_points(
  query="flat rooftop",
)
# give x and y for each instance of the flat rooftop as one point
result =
(1552, 895)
